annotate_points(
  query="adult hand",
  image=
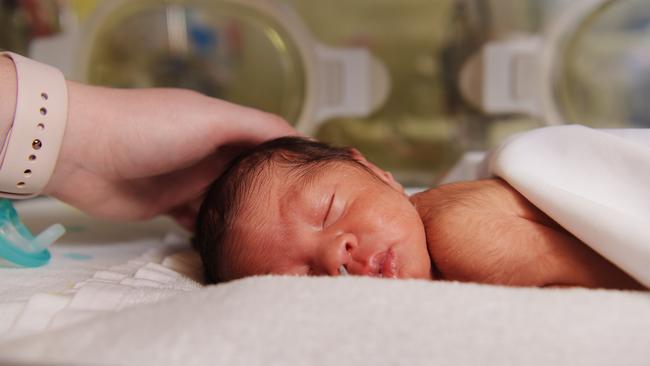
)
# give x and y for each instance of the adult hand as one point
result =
(135, 154)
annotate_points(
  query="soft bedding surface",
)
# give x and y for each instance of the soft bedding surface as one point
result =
(357, 321)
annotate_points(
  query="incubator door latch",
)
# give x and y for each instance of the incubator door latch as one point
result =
(505, 77)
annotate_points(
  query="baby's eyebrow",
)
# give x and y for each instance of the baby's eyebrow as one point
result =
(304, 176)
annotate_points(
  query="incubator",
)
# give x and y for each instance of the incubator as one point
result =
(412, 84)
(360, 73)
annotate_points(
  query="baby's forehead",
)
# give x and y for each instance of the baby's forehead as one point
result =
(297, 176)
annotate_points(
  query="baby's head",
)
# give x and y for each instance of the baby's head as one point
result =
(299, 207)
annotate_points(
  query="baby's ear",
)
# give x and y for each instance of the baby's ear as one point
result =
(382, 174)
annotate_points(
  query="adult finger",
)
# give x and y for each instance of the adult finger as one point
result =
(239, 124)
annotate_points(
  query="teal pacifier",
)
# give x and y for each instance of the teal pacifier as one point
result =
(18, 247)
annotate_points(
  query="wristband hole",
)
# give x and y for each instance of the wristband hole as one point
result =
(43, 111)
(44, 96)
(37, 144)
(32, 157)
(20, 184)
(40, 126)
(28, 173)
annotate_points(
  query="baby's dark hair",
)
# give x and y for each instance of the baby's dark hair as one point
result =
(225, 197)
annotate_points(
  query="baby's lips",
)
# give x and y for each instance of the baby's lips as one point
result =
(383, 264)
(374, 264)
(389, 265)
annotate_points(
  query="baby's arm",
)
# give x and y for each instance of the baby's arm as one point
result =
(485, 231)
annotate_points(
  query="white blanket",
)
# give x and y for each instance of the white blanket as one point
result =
(595, 183)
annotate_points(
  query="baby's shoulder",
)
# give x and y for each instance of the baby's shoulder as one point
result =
(488, 194)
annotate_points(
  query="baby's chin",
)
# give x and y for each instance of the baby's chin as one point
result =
(422, 273)
(417, 276)
(430, 276)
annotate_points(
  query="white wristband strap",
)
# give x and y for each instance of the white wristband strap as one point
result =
(31, 149)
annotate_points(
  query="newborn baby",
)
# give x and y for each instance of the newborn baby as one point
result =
(299, 207)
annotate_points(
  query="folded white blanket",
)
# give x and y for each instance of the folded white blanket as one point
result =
(595, 183)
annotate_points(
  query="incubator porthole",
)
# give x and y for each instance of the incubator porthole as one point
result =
(217, 52)
(603, 76)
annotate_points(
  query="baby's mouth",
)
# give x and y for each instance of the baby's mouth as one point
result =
(384, 265)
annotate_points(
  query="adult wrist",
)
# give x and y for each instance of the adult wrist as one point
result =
(82, 143)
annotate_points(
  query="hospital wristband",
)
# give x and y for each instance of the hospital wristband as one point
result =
(33, 142)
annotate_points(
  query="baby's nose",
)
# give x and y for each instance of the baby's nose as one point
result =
(338, 253)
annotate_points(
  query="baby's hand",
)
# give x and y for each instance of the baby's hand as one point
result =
(485, 231)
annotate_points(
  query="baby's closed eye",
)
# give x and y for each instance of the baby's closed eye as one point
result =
(335, 210)
(328, 211)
